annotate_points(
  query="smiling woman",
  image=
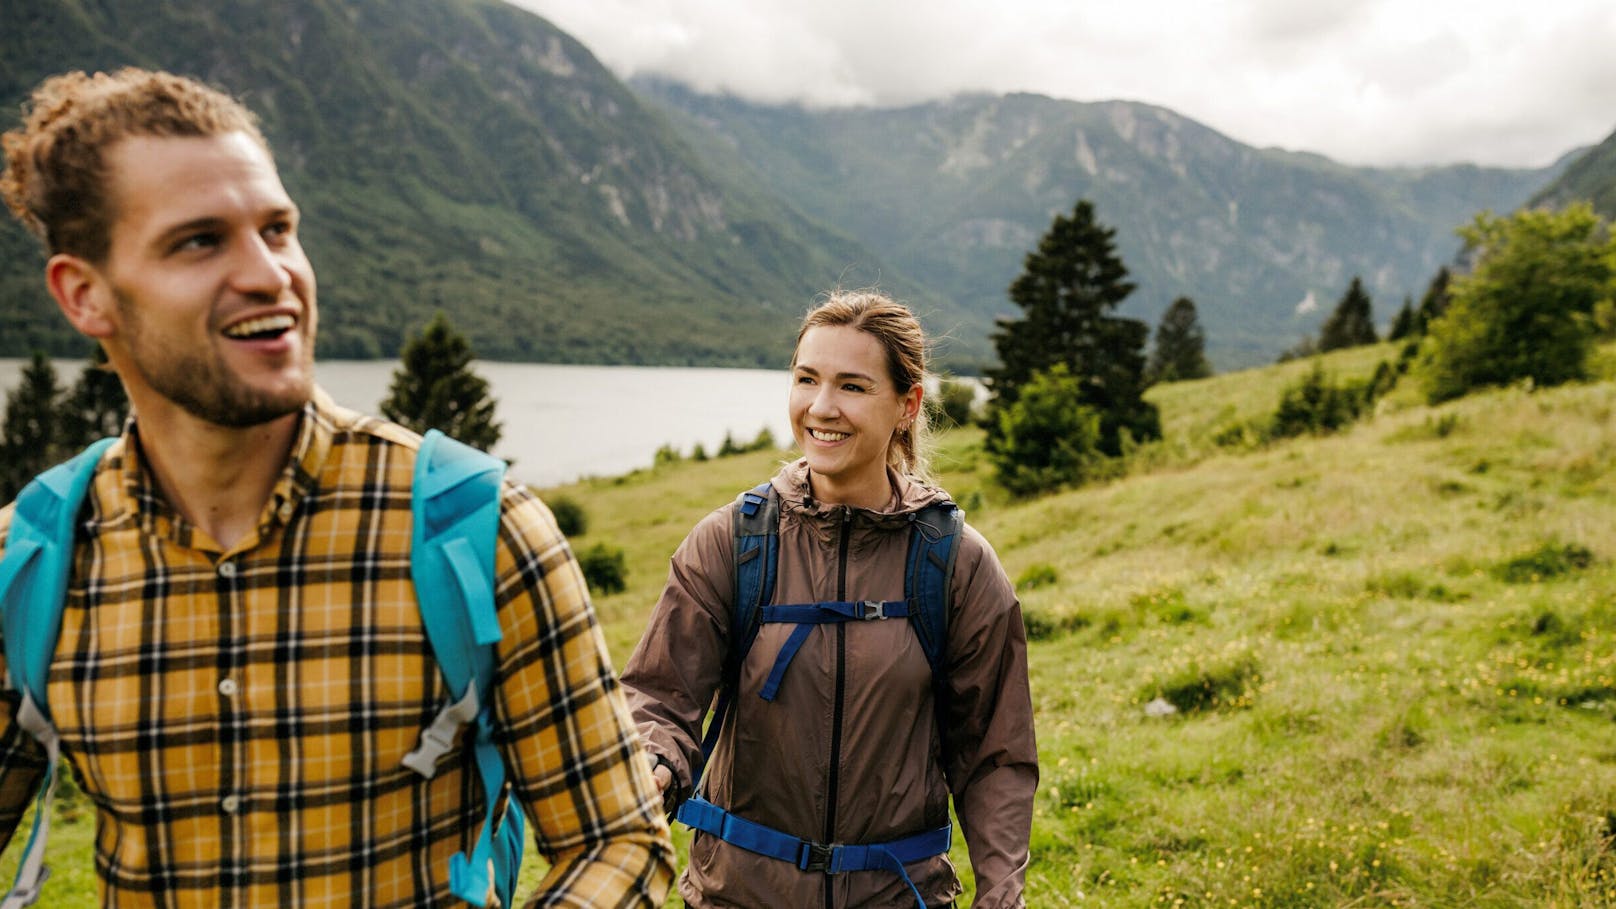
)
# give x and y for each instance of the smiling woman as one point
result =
(844, 762)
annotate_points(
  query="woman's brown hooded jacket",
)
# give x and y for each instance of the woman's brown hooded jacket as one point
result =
(851, 750)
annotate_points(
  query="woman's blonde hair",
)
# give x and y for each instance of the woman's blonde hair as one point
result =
(901, 336)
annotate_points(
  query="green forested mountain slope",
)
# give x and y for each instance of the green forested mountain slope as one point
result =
(1591, 178)
(461, 155)
(954, 193)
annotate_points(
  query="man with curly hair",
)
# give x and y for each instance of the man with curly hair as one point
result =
(242, 666)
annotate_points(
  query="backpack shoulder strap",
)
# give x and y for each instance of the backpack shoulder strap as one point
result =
(455, 509)
(756, 526)
(38, 560)
(928, 578)
(34, 575)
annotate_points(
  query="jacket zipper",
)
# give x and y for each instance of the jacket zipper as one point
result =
(841, 690)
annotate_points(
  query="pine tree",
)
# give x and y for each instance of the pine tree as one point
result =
(1435, 301)
(95, 407)
(1352, 324)
(28, 438)
(1406, 324)
(435, 388)
(1180, 351)
(1067, 289)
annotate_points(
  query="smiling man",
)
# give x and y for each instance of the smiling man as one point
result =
(242, 666)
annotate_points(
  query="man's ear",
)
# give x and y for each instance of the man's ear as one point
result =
(82, 293)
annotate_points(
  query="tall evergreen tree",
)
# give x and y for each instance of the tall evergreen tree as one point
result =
(435, 388)
(1352, 324)
(1067, 289)
(28, 438)
(1406, 324)
(1435, 301)
(1180, 351)
(95, 407)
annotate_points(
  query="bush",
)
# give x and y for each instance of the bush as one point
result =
(1551, 560)
(1529, 310)
(954, 404)
(1198, 688)
(605, 568)
(1048, 438)
(569, 515)
(1039, 575)
(1316, 405)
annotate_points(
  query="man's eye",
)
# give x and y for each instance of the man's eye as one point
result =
(279, 229)
(206, 240)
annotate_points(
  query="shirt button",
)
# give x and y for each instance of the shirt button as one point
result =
(230, 803)
(227, 687)
(227, 569)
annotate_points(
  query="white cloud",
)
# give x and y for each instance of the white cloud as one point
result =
(1363, 81)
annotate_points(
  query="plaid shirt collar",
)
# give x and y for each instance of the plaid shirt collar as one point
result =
(138, 498)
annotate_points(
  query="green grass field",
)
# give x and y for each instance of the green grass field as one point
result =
(1393, 649)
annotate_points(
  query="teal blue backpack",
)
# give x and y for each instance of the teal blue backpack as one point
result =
(455, 503)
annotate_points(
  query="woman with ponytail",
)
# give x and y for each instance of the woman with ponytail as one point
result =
(829, 785)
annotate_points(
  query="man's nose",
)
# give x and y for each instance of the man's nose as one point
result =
(260, 268)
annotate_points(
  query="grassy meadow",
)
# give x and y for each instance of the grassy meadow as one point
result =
(1389, 651)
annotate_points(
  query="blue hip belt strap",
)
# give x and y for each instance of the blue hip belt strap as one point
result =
(834, 858)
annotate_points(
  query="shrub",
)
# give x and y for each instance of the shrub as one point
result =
(1550, 560)
(605, 568)
(1198, 688)
(1048, 438)
(1040, 575)
(955, 402)
(1314, 405)
(569, 515)
(1528, 310)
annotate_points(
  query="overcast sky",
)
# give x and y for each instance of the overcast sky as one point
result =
(1504, 82)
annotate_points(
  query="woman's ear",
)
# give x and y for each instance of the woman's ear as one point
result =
(81, 292)
(911, 404)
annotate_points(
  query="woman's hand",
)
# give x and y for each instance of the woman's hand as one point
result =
(661, 772)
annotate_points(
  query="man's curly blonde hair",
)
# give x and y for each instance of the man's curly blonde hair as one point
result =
(56, 178)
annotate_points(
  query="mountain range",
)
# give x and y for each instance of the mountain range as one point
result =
(469, 157)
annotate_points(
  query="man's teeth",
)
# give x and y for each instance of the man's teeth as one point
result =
(266, 325)
(827, 436)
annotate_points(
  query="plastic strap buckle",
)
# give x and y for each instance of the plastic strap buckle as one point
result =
(817, 857)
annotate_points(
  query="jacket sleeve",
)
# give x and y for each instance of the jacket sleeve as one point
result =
(576, 762)
(22, 760)
(676, 668)
(992, 754)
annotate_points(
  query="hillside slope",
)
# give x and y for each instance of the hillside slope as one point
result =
(1590, 178)
(1391, 650)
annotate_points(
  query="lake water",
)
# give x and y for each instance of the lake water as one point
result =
(566, 422)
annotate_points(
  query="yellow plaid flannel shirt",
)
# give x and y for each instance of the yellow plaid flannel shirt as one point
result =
(238, 717)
